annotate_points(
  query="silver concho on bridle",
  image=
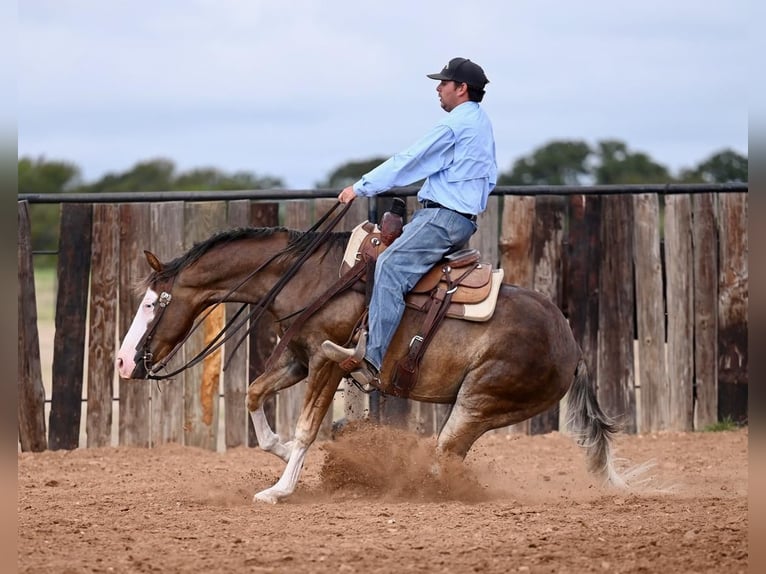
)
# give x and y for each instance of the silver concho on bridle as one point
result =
(165, 299)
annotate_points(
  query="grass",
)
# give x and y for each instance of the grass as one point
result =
(45, 292)
(727, 424)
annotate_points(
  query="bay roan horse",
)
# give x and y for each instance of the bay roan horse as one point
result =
(494, 373)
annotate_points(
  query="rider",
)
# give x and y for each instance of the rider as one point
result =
(457, 160)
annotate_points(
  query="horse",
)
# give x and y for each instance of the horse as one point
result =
(493, 374)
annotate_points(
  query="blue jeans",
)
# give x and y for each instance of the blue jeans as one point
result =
(425, 240)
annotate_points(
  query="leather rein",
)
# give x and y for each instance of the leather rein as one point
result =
(233, 325)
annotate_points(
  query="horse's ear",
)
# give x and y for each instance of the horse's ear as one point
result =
(154, 263)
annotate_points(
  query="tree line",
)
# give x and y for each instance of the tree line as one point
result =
(558, 162)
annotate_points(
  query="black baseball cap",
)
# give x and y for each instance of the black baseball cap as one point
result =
(462, 70)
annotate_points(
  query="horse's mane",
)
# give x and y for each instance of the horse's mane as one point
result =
(298, 242)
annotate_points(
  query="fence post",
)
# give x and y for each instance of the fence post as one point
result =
(732, 307)
(135, 233)
(235, 375)
(262, 337)
(652, 378)
(31, 393)
(167, 396)
(202, 385)
(515, 247)
(355, 402)
(485, 238)
(583, 270)
(103, 323)
(298, 215)
(616, 374)
(705, 244)
(69, 340)
(548, 235)
(679, 271)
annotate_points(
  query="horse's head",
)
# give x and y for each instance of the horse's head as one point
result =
(157, 327)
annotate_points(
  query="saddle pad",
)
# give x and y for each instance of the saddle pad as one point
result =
(479, 312)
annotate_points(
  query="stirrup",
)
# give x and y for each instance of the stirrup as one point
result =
(348, 359)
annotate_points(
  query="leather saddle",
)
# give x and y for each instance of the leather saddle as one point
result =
(470, 280)
(459, 286)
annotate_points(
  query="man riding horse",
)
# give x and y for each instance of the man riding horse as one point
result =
(457, 160)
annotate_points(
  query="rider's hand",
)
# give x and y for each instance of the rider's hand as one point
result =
(347, 195)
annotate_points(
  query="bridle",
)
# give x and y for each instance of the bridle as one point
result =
(232, 325)
(163, 301)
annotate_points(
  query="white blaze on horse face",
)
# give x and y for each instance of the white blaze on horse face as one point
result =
(127, 353)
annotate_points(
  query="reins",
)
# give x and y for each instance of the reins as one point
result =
(232, 325)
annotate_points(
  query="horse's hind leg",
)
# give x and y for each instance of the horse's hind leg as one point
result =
(472, 415)
(286, 373)
(460, 431)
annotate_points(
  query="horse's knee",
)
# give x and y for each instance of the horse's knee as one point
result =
(254, 400)
(256, 396)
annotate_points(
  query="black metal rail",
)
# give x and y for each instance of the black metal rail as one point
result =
(285, 194)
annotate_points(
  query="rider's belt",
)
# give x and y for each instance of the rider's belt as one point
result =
(428, 204)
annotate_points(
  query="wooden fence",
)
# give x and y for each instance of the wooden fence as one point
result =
(655, 287)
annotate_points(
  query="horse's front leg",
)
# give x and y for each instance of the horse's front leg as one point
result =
(320, 392)
(268, 440)
(286, 373)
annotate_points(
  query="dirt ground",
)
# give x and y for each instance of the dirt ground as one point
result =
(366, 503)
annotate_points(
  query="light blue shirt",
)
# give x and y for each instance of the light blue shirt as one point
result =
(457, 158)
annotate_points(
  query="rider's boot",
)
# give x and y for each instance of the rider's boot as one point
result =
(352, 360)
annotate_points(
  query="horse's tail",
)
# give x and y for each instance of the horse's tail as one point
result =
(592, 429)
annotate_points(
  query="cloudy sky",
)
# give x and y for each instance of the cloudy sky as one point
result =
(293, 89)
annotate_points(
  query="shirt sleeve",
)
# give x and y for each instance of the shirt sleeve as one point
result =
(429, 155)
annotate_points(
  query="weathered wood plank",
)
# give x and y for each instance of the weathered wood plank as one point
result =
(515, 243)
(202, 384)
(299, 216)
(733, 307)
(235, 374)
(262, 337)
(355, 402)
(485, 238)
(167, 395)
(321, 207)
(583, 270)
(679, 270)
(547, 253)
(69, 339)
(653, 381)
(31, 393)
(103, 323)
(135, 409)
(389, 410)
(616, 373)
(705, 245)
(515, 250)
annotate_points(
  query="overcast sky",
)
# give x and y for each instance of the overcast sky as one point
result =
(293, 89)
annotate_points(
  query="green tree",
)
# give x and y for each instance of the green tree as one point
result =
(44, 176)
(150, 175)
(616, 164)
(563, 162)
(160, 175)
(722, 167)
(201, 179)
(349, 173)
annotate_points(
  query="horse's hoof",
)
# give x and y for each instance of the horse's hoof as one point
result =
(265, 496)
